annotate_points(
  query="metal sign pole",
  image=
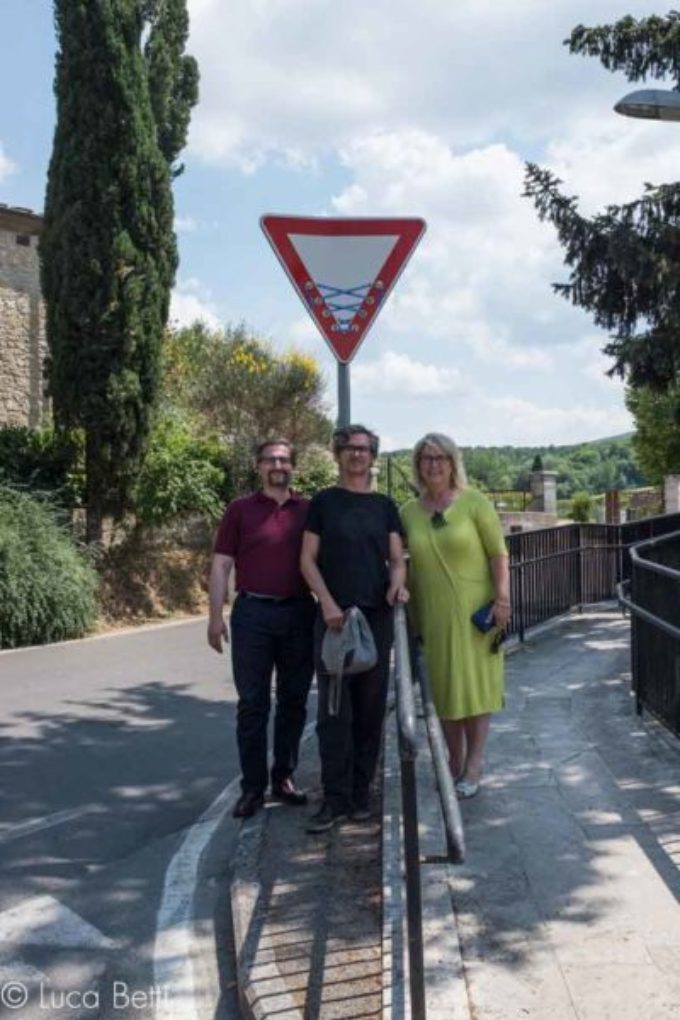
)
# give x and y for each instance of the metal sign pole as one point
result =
(343, 395)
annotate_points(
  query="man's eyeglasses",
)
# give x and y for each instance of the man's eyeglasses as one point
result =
(438, 520)
(351, 448)
(275, 460)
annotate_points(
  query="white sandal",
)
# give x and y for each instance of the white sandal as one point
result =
(466, 790)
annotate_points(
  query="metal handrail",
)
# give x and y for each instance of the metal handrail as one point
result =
(622, 589)
(645, 614)
(453, 823)
(406, 710)
(408, 752)
(659, 568)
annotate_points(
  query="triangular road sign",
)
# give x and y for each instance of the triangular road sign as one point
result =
(343, 269)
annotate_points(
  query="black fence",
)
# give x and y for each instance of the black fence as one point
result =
(554, 570)
(653, 596)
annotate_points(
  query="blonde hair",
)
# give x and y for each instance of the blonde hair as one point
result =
(449, 449)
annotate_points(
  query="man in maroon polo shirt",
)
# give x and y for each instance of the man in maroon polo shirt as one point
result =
(272, 624)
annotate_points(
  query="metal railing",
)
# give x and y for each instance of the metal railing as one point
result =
(404, 654)
(652, 595)
(555, 570)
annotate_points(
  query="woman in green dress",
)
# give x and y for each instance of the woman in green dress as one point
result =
(458, 563)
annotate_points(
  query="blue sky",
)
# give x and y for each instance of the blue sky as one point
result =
(314, 107)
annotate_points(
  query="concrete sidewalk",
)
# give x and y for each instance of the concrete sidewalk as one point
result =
(567, 906)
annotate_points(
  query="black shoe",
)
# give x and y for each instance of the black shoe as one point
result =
(247, 804)
(326, 818)
(361, 807)
(286, 791)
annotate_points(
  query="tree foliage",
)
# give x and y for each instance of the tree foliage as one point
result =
(585, 467)
(239, 388)
(108, 249)
(182, 476)
(656, 443)
(625, 261)
(222, 391)
(47, 588)
(45, 461)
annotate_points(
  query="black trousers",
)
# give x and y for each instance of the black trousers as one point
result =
(349, 743)
(268, 636)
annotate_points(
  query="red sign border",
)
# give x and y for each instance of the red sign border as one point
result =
(277, 229)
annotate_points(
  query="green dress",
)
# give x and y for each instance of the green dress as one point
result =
(450, 579)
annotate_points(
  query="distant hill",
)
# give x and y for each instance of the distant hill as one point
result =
(582, 467)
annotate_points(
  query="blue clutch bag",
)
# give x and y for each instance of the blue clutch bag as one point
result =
(482, 619)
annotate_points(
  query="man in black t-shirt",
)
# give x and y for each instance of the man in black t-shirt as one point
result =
(352, 555)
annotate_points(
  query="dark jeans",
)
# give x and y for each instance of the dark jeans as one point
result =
(268, 636)
(349, 743)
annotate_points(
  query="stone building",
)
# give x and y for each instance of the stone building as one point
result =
(22, 319)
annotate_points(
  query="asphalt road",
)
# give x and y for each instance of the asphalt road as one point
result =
(111, 749)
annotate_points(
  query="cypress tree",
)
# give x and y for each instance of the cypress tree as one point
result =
(108, 249)
(625, 262)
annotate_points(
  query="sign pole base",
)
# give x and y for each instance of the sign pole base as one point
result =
(343, 395)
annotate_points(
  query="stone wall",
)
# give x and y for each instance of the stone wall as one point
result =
(22, 320)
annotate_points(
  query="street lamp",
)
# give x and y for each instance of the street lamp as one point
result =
(650, 104)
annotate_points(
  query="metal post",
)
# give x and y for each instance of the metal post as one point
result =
(343, 395)
(520, 598)
(414, 915)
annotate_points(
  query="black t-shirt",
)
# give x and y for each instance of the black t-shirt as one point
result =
(354, 530)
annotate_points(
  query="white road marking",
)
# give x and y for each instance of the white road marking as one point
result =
(44, 921)
(174, 948)
(39, 824)
(176, 945)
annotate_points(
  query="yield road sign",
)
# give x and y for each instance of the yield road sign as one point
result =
(343, 269)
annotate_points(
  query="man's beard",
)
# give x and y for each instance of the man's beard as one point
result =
(279, 479)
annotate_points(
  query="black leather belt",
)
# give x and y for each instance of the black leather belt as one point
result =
(271, 598)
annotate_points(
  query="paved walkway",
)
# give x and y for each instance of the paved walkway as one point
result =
(567, 905)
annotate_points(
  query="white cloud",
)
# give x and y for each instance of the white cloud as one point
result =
(433, 111)
(185, 224)
(480, 279)
(191, 302)
(606, 159)
(305, 76)
(529, 423)
(404, 377)
(6, 165)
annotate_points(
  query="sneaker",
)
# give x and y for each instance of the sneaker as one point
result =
(286, 791)
(326, 818)
(247, 804)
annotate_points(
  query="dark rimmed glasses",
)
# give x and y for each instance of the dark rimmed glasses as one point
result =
(353, 448)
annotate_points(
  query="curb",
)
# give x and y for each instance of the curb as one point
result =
(248, 918)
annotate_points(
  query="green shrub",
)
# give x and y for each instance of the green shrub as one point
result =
(47, 588)
(315, 470)
(181, 476)
(42, 460)
(581, 507)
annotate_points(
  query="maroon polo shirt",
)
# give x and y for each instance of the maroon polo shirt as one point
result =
(265, 539)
